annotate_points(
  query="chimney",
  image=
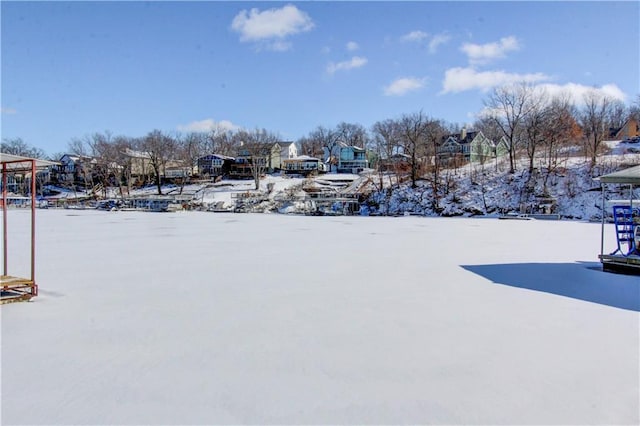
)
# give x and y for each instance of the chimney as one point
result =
(463, 133)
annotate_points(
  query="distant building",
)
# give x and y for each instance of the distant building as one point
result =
(282, 151)
(471, 146)
(73, 169)
(630, 129)
(352, 159)
(214, 165)
(303, 165)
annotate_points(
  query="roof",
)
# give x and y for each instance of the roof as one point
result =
(353, 148)
(301, 158)
(136, 154)
(20, 163)
(284, 144)
(630, 176)
(218, 156)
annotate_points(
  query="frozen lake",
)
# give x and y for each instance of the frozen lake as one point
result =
(203, 318)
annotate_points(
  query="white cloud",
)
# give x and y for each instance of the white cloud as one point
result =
(352, 45)
(463, 79)
(256, 26)
(8, 111)
(355, 62)
(436, 41)
(420, 36)
(415, 36)
(278, 45)
(577, 91)
(207, 125)
(483, 53)
(404, 85)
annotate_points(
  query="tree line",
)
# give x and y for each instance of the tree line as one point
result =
(534, 124)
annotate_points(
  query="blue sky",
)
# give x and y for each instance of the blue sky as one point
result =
(73, 68)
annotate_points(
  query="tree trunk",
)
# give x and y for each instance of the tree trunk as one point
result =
(157, 180)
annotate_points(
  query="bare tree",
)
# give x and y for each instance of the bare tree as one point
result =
(386, 143)
(435, 132)
(329, 139)
(508, 107)
(634, 109)
(81, 147)
(617, 116)
(412, 130)
(386, 138)
(353, 134)
(491, 131)
(256, 145)
(189, 148)
(310, 146)
(560, 130)
(123, 173)
(17, 146)
(106, 159)
(160, 148)
(593, 118)
(220, 140)
(534, 123)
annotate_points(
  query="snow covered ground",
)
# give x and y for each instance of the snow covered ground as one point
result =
(208, 318)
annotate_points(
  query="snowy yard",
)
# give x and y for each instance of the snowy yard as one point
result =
(204, 318)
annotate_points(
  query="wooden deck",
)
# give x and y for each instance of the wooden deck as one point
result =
(16, 289)
(624, 264)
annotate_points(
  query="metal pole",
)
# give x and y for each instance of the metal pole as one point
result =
(602, 186)
(632, 243)
(33, 225)
(4, 218)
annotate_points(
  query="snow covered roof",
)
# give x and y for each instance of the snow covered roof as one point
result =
(630, 175)
(301, 158)
(218, 156)
(137, 154)
(40, 164)
(284, 144)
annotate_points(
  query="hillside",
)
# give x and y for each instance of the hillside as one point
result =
(476, 190)
(471, 190)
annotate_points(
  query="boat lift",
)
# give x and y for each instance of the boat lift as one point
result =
(626, 220)
(13, 288)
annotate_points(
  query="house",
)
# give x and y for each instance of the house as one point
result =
(457, 145)
(241, 168)
(630, 129)
(483, 149)
(214, 165)
(269, 157)
(282, 151)
(74, 169)
(303, 165)
(397, 163)
(352, 159)
(471, 146)
(176, 172)
(138, 165)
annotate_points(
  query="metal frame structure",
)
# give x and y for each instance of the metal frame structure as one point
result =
(14, 289)
(626, 222)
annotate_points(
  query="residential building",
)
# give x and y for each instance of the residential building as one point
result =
(214, 165)
(630, 129)
(73, 169)
(304, 165)
(282, 151)
(352, 159)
